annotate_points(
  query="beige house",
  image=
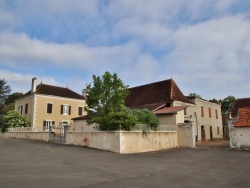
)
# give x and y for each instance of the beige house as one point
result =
(206, 117)
(47, 105)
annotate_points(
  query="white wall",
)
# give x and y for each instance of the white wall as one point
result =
(241, 137)
(124, 141)
(26, 135)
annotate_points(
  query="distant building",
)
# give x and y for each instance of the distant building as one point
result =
(166, 100)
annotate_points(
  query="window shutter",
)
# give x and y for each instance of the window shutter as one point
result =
(26, 108)
(21, 109)
(53, 122)
(79, 111)
(44, 123)
(69, 110)
(61, 109)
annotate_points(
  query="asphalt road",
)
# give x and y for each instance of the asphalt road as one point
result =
(26, 163)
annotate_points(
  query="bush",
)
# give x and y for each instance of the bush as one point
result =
(13, 119)
(118, 121)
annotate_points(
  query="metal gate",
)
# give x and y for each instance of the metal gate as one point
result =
(57, 134)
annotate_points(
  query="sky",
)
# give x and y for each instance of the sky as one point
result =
(203, 45)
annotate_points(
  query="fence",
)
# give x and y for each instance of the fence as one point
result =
(144, 127)
(22, 129)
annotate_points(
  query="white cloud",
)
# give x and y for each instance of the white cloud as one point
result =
(17, 49)
(22, 82)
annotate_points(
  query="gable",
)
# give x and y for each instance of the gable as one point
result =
(154, 95)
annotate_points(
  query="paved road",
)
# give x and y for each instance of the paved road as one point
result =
(26, 163)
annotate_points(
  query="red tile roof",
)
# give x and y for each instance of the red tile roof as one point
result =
(55, 91)
(154, 95)
(239, 103)
(170, 110)
(244, 118)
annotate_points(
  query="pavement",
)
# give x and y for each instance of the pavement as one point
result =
(27, 163)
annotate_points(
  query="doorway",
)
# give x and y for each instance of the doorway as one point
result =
(203, 134)
(211, 133)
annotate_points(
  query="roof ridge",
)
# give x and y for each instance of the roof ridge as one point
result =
(149, 83)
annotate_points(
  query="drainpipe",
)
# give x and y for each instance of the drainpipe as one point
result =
(196, 126)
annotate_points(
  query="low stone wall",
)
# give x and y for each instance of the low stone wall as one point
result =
(26, 135)
(124, 141)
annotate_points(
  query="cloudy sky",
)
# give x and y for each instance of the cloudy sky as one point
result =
(204, 45)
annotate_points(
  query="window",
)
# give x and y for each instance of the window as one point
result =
(79, 111)
(202, 111)
(65, 109)
(47, 124)
(209, 112)
(20, 109)
(218, 130)
(216, 113)
(26, 108)
(49, 108)
(185, 111)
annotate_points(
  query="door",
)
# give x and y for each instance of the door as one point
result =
(203, 134)
(62, 128)
(211, 133)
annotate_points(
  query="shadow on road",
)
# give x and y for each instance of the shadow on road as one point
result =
(214, 143)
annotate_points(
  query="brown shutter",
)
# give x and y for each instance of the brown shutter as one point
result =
(53, 122)
(61, 109)
(26, 108)
(79, 111)
(69, 110)
(44, 123)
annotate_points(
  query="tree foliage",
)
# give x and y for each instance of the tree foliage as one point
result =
(105, 100)
(14, 119)
(144, 116)
(4, 90)
(12, 97)
(195, 95)
(118, 121)
(226, 103)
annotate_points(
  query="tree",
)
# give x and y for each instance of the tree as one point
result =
(215, 101)
(12, 97)
(105, 100)
(14, 119)
(227, 104)
(195, 95)
(4, 90)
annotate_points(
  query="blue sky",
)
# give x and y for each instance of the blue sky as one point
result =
(204, 45)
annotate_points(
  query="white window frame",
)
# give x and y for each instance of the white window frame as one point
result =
(65, 109)
(48, 124)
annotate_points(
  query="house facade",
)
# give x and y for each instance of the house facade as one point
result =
(47, 105)
(207, 119)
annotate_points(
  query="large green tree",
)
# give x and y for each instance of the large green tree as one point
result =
(105, 102)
